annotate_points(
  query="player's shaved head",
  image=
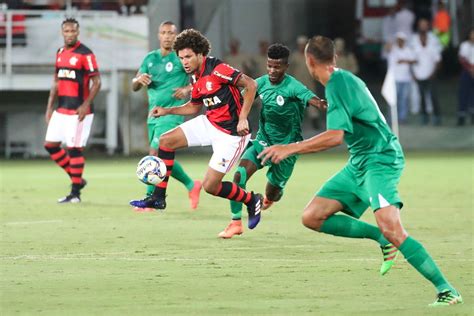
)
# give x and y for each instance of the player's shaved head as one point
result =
(194, 40)
(321, 48)
(278, 51)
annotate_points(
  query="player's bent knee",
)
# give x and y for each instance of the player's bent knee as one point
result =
(240, 176)
(210, 187)
(311, 220)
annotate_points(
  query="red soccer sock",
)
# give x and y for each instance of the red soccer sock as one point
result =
(59, 156)
(167, 155)
(232, 191)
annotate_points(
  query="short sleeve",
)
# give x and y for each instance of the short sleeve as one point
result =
(226, 74)
(90, 64)
(302, 93)
(144, 66)
(338, 115)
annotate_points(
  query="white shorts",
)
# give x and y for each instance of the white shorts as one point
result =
(226, 148)
(68, 130)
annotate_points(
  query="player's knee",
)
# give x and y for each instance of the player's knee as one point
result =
(311, 220)
(274, 195)
(166, 140)
(74, 152)
(240, 176)
(393, 232)
(210, 187)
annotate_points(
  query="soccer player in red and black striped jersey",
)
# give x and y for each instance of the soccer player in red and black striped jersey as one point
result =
(76, 83)
(224, 126)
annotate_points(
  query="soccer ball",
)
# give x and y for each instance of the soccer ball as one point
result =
(151, 170)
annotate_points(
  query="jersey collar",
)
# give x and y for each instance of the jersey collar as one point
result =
(74, 47)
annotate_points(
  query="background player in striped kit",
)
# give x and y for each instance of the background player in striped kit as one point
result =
(284, 101)
(71, 122)
(168, 85)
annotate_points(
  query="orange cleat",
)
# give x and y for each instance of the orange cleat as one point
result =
(194, 194)
(234, 228)
(266, 203)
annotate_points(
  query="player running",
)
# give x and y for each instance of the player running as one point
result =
(225, 126)
(167, 84)
(371, 176)
(284, 100)
(71, 122)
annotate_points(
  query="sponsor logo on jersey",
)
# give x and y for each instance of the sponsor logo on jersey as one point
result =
(218, 74)
(169, 66)
(280, 100)
(66, 73)
(211, 101)
(73, 60)
(209, 85)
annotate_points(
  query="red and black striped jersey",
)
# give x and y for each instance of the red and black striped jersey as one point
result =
(215, 87)
(74, 68)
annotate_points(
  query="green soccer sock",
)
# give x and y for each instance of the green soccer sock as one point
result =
(179, 174)
(236, 207)
(421, 260)
(346, 226)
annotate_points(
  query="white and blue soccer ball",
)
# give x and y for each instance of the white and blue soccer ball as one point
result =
(151, 170)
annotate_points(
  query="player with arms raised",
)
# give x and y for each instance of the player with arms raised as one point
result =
(284, 100)
(371, 176)
(225, 126)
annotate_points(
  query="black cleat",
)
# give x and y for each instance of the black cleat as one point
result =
(150, 202)
(71, 198)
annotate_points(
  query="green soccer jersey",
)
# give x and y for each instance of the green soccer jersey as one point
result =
(167, 74)
(282, 111)
(352, 108)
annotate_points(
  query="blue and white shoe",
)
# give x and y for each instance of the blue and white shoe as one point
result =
(150, 202)
(254, 209)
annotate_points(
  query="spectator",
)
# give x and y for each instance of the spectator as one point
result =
(404, 19)
(442, 24)
(424, 70)
(345, 59)
(237, 59)
(297, 69)
(466, 82)
(399, 60)
(260, 60)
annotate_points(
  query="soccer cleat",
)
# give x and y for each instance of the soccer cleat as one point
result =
(234, 228)
(254, 210)
(390, 253)
(150, 202)
(194, 194)
(71, 198)
(446, 298)
(266, 203)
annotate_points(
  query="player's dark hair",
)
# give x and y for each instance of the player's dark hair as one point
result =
(278, 51)
(321, 48)
(70, 20)
(167, 22)
(194, 40)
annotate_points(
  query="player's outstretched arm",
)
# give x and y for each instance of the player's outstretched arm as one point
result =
(250, 87)
(188, 108)
(320, 142)
(53, 94)
(318, 103)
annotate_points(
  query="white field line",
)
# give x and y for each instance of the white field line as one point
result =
(51, 221)
(96, 257)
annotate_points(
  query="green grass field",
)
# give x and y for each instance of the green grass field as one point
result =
(101, 258)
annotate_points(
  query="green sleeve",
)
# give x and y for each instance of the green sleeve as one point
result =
(144, 66)
(302, 93)
(339, 116)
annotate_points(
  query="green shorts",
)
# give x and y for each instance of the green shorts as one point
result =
(376, 187)
(160, 126)
(277, 174)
